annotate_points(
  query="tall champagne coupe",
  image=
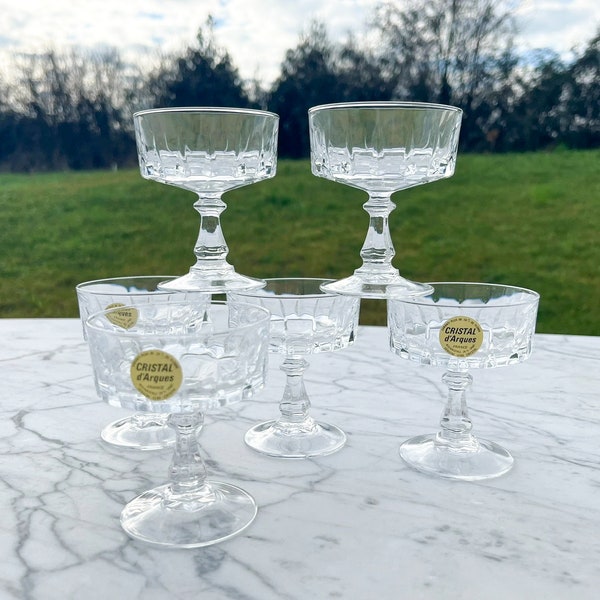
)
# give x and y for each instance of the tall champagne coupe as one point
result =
(462, 326)
(208, 151)
(182, 359)
(305, 320)
(381, 148)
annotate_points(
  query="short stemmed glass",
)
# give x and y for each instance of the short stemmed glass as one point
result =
(140, 431)
(304, 320)
(462, 326)
(208, 151)
(381, 148)
(182, 360)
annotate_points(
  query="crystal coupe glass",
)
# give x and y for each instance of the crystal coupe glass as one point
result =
(182, 360)
(208, 151)
(304, 320)
(381, 148)
(462, 326)
(140, 431)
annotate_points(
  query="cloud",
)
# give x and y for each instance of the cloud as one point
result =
(256, 33)
(558, 24)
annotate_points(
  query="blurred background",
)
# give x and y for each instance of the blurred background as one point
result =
(522, 208)
(66, 103)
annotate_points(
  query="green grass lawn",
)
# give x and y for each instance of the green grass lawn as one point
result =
(521, 219)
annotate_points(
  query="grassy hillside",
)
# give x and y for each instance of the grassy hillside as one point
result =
(527, 219)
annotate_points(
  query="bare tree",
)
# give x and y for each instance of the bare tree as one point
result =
(584, 96)
(70, 108)
(447, 51)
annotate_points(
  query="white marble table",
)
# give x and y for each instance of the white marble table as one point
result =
(357, 525)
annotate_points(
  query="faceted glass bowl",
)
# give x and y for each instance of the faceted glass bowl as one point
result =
(181, 359)
(304, 320)
(140, 431)
(462, 326)
(208, 151)
(381, 148)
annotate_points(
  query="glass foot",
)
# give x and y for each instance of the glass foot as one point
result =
(273, 439)
(212, 281)
(161, 517)
(378, 286)
(141, 431)
(480, 460)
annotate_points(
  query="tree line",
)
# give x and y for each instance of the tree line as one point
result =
(74, 110)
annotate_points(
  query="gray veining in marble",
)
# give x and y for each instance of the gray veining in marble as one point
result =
(357, 525)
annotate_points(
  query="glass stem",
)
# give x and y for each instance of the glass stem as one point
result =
(187, 472)
(295, 404)
(211, 249)
(378, 250)
(455, 422)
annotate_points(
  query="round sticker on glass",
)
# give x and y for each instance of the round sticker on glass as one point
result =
(461, 336)
(125, 318)
(156, 374)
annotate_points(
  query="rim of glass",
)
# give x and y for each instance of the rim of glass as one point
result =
(205, 109)
(385, 104)
(257, 293)
(84, 284)
(266, 317)
(421, 301)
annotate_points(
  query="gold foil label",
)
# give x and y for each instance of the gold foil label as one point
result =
(125, 318)
(156, 374)
(461, 336)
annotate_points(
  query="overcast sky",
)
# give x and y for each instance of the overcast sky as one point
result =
(255, 32)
